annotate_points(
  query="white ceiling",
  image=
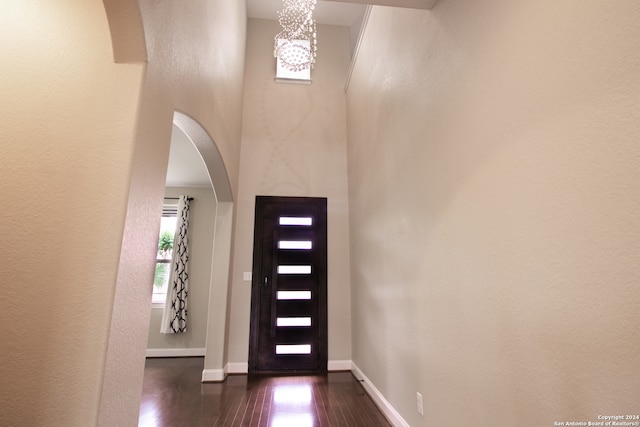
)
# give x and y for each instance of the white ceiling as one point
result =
(326, 12)
(186, 167)
(346, 12)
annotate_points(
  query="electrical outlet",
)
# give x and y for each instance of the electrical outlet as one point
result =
(420, 405)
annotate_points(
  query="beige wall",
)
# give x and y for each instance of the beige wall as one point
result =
(494, 171)
(196, 59)
(202, 215)
(65, 167)
(294, 144)
(84, 153)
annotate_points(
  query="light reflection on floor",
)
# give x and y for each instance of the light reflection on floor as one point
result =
(147, 416)
(292, 420)
(292, 406)
(292, 394)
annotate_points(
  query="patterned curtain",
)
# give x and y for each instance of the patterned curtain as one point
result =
(174, 316)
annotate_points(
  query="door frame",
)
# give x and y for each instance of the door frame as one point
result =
(322, 299)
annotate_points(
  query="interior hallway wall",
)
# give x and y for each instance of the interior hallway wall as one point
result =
(67, 131)
(494, 182)
(294, 144)
(195, 64)
(85, 143)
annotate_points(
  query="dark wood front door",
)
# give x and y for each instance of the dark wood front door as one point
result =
(289, 287)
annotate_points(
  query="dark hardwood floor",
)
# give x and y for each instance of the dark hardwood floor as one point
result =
(173, 396)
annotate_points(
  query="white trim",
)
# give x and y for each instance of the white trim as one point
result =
(339, 365)
(356, 49)
(175, 352)
(292, 81)
(237, 368)
(214, 375)
(389, 411)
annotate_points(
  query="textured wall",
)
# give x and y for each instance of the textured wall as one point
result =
(68, 119)
(84, 153)
(494, 173)
(195, 64)
(294, 144)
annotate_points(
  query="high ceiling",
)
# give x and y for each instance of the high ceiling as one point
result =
(332, 12)
(326, 12)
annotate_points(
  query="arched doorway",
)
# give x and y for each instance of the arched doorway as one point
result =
(219, 282)
(128, 332)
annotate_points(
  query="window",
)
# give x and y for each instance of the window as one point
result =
(165, 250)
(293, 53)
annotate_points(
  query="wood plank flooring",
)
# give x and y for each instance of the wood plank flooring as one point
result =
(173, 396)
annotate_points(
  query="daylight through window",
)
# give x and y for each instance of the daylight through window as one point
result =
(290, 55)
(165, 250)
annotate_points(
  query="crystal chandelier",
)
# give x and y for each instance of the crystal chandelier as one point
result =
(296, 45)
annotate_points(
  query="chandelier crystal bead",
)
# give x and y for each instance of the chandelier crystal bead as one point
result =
(296, 45)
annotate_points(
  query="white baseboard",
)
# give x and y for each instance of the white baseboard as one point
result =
(175, 352)
(214, 375)
(389, 411)
(339, 365)
(237, 367)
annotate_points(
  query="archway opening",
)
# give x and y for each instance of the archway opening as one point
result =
(221, 250)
